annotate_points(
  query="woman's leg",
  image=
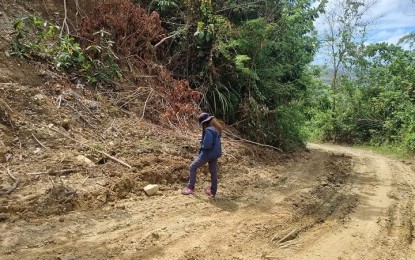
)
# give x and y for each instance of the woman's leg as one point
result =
(197, 163)
(213, 169)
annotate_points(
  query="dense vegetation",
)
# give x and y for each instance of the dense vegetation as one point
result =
(247, 58)
(247, 62)
(375, 101)
(369, 97)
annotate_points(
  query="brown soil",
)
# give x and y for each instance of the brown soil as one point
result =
(328, 203)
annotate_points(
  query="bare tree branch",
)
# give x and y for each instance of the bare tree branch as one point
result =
(65, 19)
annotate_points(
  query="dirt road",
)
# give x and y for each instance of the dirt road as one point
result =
(381, 226)
(332, 203)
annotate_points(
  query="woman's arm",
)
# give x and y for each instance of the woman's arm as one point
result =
(207, 141)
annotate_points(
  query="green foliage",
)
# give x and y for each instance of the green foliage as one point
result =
(271, 59)
(37, 38)
(248, 59)
(33, 35)
(283, 126)
(67, 53)
(164, 5)
(389, 150)
(221, 100)
(375, 106)
(241, 62)
(316, 107)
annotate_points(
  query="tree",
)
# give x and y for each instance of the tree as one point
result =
(375, 106)
(271, 57)
(390, 77)
(408, 39)
(347, 23)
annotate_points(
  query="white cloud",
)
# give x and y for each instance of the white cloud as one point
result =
(397, 19)
(396, 14)
(389, 36)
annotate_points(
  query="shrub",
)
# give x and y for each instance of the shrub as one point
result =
(36, 38)
(281, 127)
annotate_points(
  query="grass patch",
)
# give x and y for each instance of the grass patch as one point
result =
(389, 150)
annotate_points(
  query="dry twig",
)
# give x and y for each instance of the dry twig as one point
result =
(7, 106)
(290, 236)
(95, 149)
(251, 142)
(39, 142)
(16, 182)
(52, 172)
(59, 100)
(82, 117)
(164, 39)
(145, 104)
(86, 178)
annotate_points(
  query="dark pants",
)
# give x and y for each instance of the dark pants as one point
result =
(213, 169)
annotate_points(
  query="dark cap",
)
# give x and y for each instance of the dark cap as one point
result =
(204, 117)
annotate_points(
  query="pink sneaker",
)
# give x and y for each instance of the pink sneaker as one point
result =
(208, 192)
(188, 191)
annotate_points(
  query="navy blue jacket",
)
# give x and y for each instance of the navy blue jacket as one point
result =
(210, 146)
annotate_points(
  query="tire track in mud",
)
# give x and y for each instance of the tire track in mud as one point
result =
(276, 208)
(381, 225)
(262, 202)
(399, 225)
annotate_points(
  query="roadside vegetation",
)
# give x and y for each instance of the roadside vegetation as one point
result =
(365, 96)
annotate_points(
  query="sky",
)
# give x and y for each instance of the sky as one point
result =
(397, 19)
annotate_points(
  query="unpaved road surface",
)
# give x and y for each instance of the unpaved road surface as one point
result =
(381, 226)
(330, 203)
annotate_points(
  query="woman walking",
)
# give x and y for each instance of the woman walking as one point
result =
(210, 151)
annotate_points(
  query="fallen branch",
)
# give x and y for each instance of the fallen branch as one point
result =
(64, 23)
(16, 182)
(290, 236)
(95, 149)
(83, 183)
(164, 39)
(59, 100)
(39, 142)
(252, 142)
(145, 104)
(7, 106)
(53, 173)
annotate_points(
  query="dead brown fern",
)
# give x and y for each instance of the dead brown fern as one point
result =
(135, 35)
(133, 31)
(178, 100)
